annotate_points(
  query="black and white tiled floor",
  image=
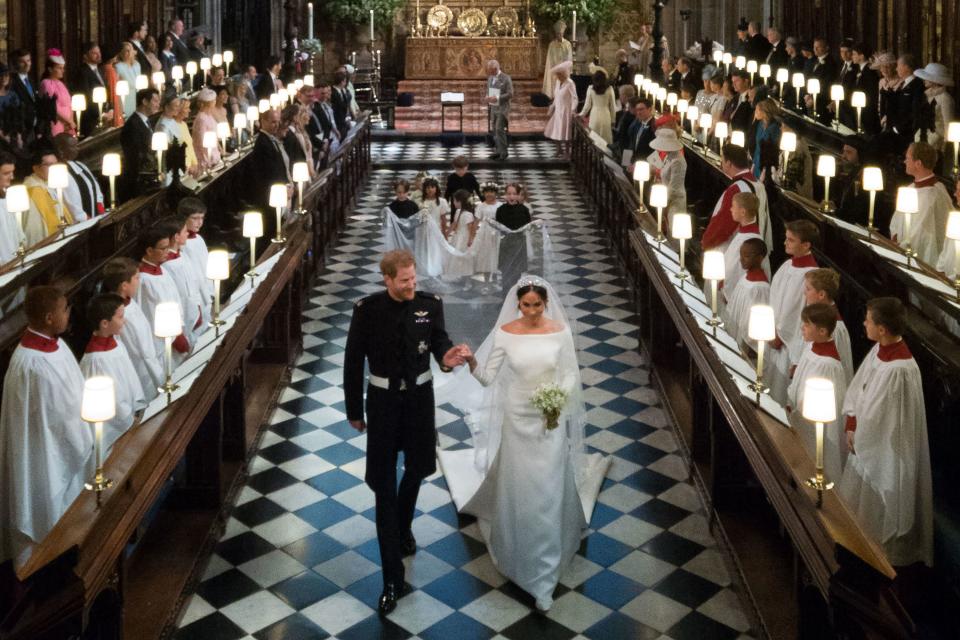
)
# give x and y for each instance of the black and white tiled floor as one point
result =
(299, 556)
(384, 150)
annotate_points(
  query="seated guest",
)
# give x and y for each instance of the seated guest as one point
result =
(940, 108)
(514, 215)
(269, 160)
(946, 263)
(752, 289)
(822, 67)
(736, 165)
(45, 448)
(11, 233)
(168, 124)
(89, 77)
(886, 480)
(156, 285)
(43, 218)
(297, 141)
(139, 161)
(82, 196)
(625, 118)
(127, 69)
(705, 97)
(167, 56)
(739, 110)
(461, 178)
(402, 206)
(52, 86)
(643, 129)
(820, 360)
(219, 111)
(903, 116)
(744, 208)
(197, 50)
(853, 204)
(188, 279)
(821, 286)
(122, 277)
(928, 226)
(105, 356)
(185, 137)
(723, 92)
(328, 123)
(205, 121)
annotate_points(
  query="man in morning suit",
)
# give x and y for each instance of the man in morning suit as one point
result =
(26, 91)
(396, 332)
(89, 77)
(499, 106)
(135, 138)
(777, 57)
(269, 165)
(266, 83)
(643, 129)
(340, 100)
(180, 50)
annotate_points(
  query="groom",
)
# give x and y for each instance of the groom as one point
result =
(397, 331)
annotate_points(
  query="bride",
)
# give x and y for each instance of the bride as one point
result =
(531, 489)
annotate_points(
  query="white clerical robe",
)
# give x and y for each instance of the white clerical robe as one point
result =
(141, 346)
(45, 449)
(11, 235)
(887, 480)
(196, 250)
(947, 261)
(722, 227)
(786, 298)
(107, 357)
(184, 274)
(820, 360)
(752, 289)
(928, 227)
(558, 51)
(731, 257)
(156, 286)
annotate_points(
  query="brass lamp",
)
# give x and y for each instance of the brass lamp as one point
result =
(218, 270)
(278, 200)
(191, 71)
(110, 167)
(953, 233)
(681, 228)
(641, 173)
(301, 175)
(908, 204)
(826, 169)
(159, 143)
(953, 135)
(783, 77)
(872, 182)
(78, 104)
(858, 100)
(762, 328)
(798, 82)
(738, 138)
(714, 271)
(176, 74)
(168, 324)
(58, 178)
(837, 96)
(813, 88)
(141, 82)
(18, 202)
(788, 144)
(253, 229)
(98, 405)
(819, 407)
(658, 199)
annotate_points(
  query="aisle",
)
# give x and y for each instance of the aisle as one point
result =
(299, 557)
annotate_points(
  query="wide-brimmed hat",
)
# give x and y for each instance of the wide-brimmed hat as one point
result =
(564, 67)
(666, 140)
(881, 59)
(935, 73)
(206, 95)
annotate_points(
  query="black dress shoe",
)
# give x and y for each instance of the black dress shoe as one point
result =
(388, 599)
(409, 545)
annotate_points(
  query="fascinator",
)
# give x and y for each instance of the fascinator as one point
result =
(55, 56)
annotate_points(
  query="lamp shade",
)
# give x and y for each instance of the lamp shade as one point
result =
(819, 400)
(99, 95)
(300, 172)
(57, 176)
(240, 121)
(798, 81)
(205, 64)
(276, 101)
(209, 140)
(788, 141)
(872, 179)
(727, 58)
(167, 321)
(228, 56)
(176, 72)
(671, 99)
(654, 87)
(278, 195)
(283, 95)
(765, 71)
(141, 82)
(783, 75)
(717, 56)
(308, 80)
(292, 89)
(761, 325)
(682, 105)
(752, 66)
(158, 78)
(953, 132)
(99, 400)
(110, 165)
(722, 130)
(78, 102)
(160, 141)
(218, 265)
(682, 226)
(662, 94)
(693, 112)
(191, 67)
(713, 266)
(641, 171)
(121, 89)
(252, 224)
(953, 225)
(637, 79)
(858, 99)
(826, 166)
(741, 62)
(907, 201)
(298, 83)
(738, 138)
(217, 60)
(223, 130)
(18, 199)
(813, 85)
(253, 113)
(263, 105)
(658, 195)
(706, 120)
(836, 92)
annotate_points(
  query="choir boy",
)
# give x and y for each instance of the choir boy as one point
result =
(156, 285)
(823, 286)
(122, 276)
(947, 262)
(195, 211)
(928, 225)
(745, 208)
(461, 178)
(886, 480)
(45, 449)
(821, 360)
(753, 288)
(105, 356)
(188, 278)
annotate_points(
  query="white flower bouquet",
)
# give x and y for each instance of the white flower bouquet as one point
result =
(549, 399)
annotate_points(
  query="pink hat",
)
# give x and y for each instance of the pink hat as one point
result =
(564, 67)
(55, 56)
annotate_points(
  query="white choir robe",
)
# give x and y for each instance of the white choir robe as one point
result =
(751, 290)
(744, 183)
(156, 286)
(196, 250)
(11, 234)
(820, 360)
(107, 357)
(184, 274)
(841, 337)
(947, 261)
(887, 480)
(731, 256)
(928, 227)
(787, 300)
(45, 449)
(141, 346)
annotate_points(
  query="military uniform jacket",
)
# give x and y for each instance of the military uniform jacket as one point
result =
(396, 338)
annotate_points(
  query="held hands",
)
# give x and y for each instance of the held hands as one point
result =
(458, 355)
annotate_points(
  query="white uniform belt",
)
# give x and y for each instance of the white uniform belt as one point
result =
(384, 383)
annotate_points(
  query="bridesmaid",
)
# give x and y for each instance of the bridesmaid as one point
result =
(562, 109)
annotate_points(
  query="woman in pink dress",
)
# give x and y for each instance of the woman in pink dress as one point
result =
(52, 85)
(205, 121)
(562, 109)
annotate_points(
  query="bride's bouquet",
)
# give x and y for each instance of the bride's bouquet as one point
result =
(549, 399)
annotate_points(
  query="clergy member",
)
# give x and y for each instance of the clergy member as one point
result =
(43, 218)
(188, 279)
(122, 276)
(105, 356)
(560, 50)
(823, 286)
(928, 227)
(753, 289)
(745, 207)
(821, 360)
(887, 480)
(45, 449)
(156, 285)
(737, 166)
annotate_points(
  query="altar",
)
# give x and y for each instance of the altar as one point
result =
(465, 58)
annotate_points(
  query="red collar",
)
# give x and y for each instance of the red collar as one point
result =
(757, 275)
(150, 268)
(127, 301)
(896, 351)
(98, 343)
(172, 255)
(746, 175)
(753, 227)
(926, 182)
(827, 349)
(192, 234)
(803, 261)
(33, 340)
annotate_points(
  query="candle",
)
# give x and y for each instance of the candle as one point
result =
(310, 20)
(371, 26)
(573, 33)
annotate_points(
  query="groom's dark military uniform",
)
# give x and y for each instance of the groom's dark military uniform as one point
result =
(396, 339)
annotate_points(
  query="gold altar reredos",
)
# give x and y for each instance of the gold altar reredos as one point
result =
(461, 58)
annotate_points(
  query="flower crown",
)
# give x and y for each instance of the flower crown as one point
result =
(489, 185)
(530, 281)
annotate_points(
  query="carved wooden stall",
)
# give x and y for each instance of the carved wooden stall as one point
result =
(809, 572)
(117, 570)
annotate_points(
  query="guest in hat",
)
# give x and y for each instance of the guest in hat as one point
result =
(886, 64)
(669, 167)
(941, 107)
(563, 107)
(202, 123)
(52, 86)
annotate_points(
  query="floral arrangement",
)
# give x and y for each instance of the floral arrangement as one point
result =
(312, 46)
(357, 12)
(592, 13)
(549, 399)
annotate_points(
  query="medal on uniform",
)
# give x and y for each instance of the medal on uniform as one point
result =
(422, 347)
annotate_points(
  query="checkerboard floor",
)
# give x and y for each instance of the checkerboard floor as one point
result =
(394, 150)
(299, 556)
